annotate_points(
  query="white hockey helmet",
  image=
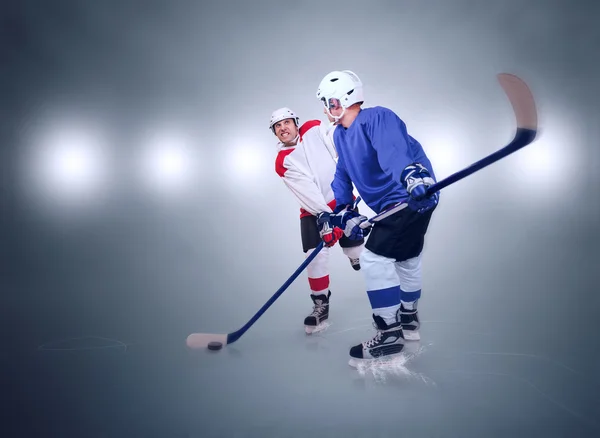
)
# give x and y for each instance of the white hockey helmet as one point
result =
(345, 86)
(281, 114)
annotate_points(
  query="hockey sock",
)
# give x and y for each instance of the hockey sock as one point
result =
(319, 286)
(409, 299)
(385, 303)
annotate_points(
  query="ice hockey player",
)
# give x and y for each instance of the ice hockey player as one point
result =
(306, 162)
(387, 167)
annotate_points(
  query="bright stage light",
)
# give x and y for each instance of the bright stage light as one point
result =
(446, 156)
(247, 161)
(73, 166)
(547, 168)
(67, 162)
(168, 162)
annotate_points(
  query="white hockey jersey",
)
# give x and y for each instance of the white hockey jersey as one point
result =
(308, 168)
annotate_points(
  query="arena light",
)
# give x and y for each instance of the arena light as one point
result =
(247, 161)
(539, 168)
(167, 162)
(67, 162)
(445, 154)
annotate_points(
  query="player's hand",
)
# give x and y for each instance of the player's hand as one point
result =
(416, 179)
(425, 204)
(353, 229)
(328, 233)
(349, 221)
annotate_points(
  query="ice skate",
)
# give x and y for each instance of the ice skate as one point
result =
(316, 320)
(355, 263)
(410, 324)
(387, 343)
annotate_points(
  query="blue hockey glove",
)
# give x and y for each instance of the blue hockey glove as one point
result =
(425, 204)
(349, 220)
(328, 233)
(416, 179)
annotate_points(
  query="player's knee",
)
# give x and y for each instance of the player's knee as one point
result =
(318, 267)
(409, 273)
(379, 271)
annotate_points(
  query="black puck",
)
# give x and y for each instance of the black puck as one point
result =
(215, 345)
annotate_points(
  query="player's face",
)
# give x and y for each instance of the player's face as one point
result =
(286, 131)
(335, 109)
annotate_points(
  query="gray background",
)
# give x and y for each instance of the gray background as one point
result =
(102, 284)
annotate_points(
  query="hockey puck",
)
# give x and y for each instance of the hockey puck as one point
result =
(215, 345)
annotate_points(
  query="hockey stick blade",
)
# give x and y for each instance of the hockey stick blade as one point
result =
(525, 111)
(201, 340)
(524, 107)
(521, 99)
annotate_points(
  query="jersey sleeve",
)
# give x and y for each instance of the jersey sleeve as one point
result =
(303, 187)
(389, 137)
(342, 185)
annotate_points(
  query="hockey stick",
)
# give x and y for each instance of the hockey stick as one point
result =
(201, 340)
(523, 104)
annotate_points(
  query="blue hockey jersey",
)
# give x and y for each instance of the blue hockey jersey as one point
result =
(372, 153)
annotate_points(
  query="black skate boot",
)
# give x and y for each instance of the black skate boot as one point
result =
(320, 313)
(388, 341)
(410, 323)
(355, 263)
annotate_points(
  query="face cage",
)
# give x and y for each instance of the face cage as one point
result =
(331, 103)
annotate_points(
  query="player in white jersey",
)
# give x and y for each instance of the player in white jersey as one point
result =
(306, 162)
(387, 166)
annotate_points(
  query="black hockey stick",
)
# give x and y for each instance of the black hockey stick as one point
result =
(525, 111)
(523, 104)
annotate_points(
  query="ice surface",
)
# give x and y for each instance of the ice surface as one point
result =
(107, 353)
(276, 380)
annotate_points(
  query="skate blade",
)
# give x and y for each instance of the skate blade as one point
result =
(309, 329)
(411, 335)
(361, 364)
(400, 357)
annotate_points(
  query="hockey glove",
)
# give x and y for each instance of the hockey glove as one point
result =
(416, 179)
(349, 221)
(328, 233)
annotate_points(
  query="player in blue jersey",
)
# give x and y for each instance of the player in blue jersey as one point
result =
(388, 167)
